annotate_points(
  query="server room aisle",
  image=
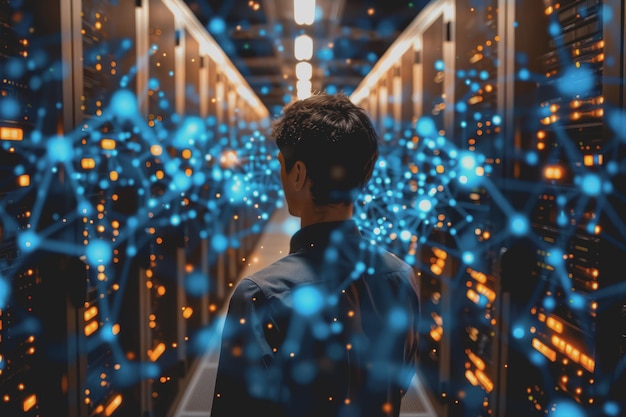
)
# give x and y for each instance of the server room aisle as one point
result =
(195, 400)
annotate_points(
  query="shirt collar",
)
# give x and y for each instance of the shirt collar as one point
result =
(319, 234)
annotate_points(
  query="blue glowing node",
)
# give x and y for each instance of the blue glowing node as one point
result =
(518, 225)
(554, 29)
(124, 104)
(197, 284)
(291, 226)
(28, 241)
(555, 257)
(577, 301)
(467, 161)
(107, 333)
(307, 300)
(9, 108)
(321, 330)
(60, 150)
(219, 242)
(398, 319)
(524, 74)
(566, 408)
(537, 358)
(518, 332)
(468, 258)
(175, 220)
(549, 303)
(532, 158)
(426, 127)
(611, 408)
(576, 81)
(424, 204)
(151, 370)
(98, 252)
(591, 184)
(181, 181)
(5, 292)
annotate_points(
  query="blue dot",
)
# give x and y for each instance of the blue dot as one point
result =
(307, 300)
(611, 408)
(59, 150)
(28, 241)
(219, 242)
(524, 74)
(591, 184)
(518, 224)
(124, 104)
(518, 332)
(549, 303)
(398, 319)
(566, 408)
(426, 127)
(106, 333)
(468, 257)
(197, 284)
(9, 108)
(98, 252)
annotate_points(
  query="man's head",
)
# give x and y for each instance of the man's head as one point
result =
(335, 141)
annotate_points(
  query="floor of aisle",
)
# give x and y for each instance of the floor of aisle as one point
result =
(197, 395)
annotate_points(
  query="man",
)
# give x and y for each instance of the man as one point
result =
(332, 328)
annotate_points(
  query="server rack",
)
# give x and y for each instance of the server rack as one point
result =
(109, 276)
(522, 103)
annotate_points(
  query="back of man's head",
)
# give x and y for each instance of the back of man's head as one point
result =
(336, 141)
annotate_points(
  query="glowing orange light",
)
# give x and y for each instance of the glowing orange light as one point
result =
(90, 313)
(23, 180)
(113, 405)
(108, 144)
(88, 163)
(156, 150)
(11, 133)
(155, 353)
(29, 403)
(91, 327)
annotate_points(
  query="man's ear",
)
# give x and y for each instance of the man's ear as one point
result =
(300, 175)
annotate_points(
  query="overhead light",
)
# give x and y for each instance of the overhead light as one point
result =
(304, 11)
(304, 70)
(303, 47)
(304, 86)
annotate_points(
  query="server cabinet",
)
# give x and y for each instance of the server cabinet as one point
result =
(518, 117)
(107, 202)
(575, 327)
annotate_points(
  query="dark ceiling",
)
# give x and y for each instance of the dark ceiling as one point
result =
(349, 36)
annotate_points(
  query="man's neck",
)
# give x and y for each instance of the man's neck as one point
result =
(326, 213)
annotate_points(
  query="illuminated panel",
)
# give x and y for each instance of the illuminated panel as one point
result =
(569, 138)
(108, 58)
(477, 134)
(20, 348)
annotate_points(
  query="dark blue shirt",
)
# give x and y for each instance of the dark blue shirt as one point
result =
(329, 330)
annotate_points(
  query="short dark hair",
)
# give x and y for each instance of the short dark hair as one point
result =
(336, 141)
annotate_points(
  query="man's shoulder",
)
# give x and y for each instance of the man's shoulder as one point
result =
(280, 275)
(388, 261)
